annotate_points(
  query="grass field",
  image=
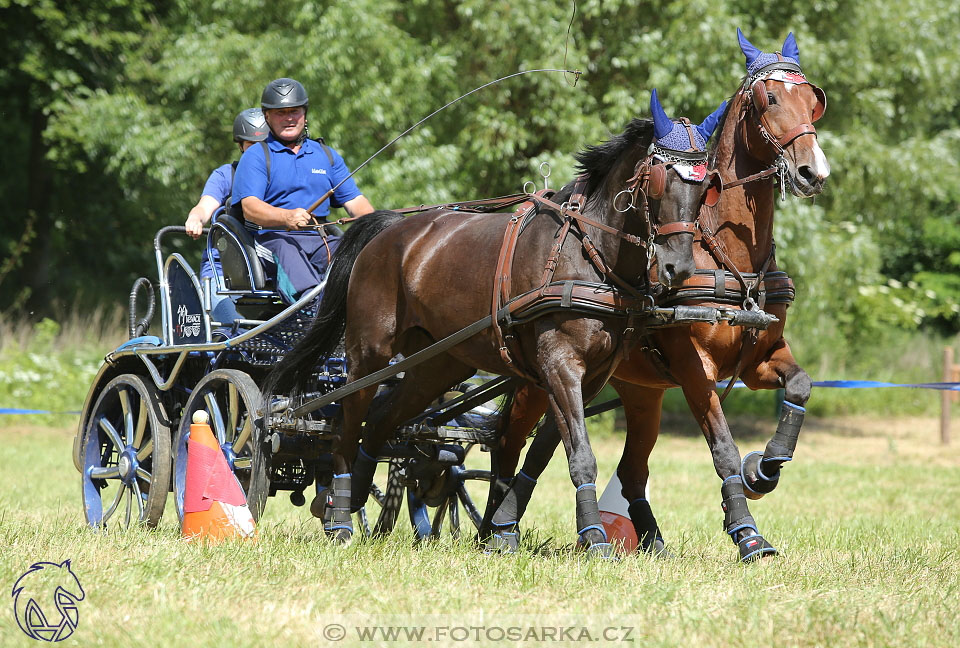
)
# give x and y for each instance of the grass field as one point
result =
(867, 520)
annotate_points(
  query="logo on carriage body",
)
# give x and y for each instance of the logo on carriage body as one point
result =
(188, 324)
(45, 601)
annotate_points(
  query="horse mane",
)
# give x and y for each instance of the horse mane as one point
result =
(597, 162)
(715, 144)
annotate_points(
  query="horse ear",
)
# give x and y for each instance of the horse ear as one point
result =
(790, 48)
(662, 125)
(710, 123)
(747, 48)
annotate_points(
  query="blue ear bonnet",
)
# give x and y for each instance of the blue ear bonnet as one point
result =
(669, 134)
(679, 141)
(757, 59)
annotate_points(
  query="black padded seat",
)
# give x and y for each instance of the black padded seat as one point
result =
(242, 269)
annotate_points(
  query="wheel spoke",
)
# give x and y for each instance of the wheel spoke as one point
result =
(111, 433)
(244, 435)
(469, 506)
(116, 502)
(139, 494)
(216, 417)
(108, 472)
(144, 475)
(129, 505)
(127, 413)
(232, 412)
(141, 424)
(146, 450)
(453, 503)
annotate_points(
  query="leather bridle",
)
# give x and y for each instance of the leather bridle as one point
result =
(755, 90)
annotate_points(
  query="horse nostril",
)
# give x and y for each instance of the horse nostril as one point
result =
(669, 270)
(807, 174)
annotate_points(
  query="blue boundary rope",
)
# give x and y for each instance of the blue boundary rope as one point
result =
(14, 410)
(867, 384)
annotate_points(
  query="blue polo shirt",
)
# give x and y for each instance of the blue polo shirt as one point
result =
(296, 179)
(219, 183)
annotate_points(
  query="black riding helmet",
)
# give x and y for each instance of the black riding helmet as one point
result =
(284, 93)
(250, 126)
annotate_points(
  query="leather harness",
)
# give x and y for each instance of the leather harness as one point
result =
(649, 178)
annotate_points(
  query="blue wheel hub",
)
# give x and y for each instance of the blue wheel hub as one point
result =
(127, 464)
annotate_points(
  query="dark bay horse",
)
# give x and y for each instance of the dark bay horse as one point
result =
(767, 127)
(432, 274)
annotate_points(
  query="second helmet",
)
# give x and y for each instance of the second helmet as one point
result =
(250, 126)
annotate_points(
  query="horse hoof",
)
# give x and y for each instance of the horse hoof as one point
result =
(756, 485)
(754, 547)
(602, 550)
(340, 535)
(657, 549)
(502, 542)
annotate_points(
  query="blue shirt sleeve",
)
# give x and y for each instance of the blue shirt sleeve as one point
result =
(251, 176)
(348, 191)
(219, 183)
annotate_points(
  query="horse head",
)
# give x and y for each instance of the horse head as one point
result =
(678, 183)
(783, 106)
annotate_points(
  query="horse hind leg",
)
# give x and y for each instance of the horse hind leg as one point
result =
(504, 535)
(761, 471)
(641, 407)
(520, 415)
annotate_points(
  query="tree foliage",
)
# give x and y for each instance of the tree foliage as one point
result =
(116, 110)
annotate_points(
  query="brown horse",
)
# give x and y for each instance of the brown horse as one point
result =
(767, 128)
(433, 274)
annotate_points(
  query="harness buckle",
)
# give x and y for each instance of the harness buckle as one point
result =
(782, 174)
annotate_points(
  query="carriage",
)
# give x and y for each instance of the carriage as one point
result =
(130, 446)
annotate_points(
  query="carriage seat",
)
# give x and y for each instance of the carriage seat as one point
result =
(242, 269)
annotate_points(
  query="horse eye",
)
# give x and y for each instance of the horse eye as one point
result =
(771, 98)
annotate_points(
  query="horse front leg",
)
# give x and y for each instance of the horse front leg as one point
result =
(738, 523)
(563, 376)
(761, 471)
(641, 408)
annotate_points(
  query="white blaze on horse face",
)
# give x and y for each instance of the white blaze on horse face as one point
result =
(820, 165)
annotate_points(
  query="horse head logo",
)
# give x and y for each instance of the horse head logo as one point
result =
(45, 601)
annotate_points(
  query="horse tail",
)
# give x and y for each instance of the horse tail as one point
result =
(321, 341)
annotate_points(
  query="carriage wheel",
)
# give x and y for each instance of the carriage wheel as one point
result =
(126, 455)
(428, 521)
(231, 398)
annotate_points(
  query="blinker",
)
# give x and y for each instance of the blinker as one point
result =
(714, 189)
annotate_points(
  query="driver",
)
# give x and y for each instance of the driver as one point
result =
(277, 180)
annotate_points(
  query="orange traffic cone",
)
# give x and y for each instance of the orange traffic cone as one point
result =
(616, 517)
(214, 506)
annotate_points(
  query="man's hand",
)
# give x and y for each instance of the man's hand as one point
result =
(297, 218)
(194, 225)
